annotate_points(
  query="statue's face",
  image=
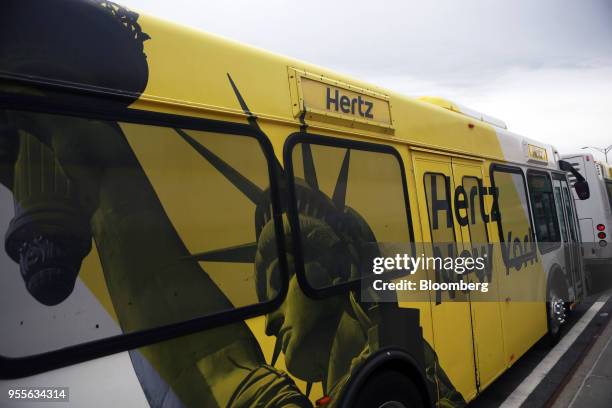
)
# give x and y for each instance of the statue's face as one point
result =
(305, 327)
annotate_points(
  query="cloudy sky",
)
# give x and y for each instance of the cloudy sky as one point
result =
(544, 67)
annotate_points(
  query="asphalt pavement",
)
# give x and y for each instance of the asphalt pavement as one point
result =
(576, 373)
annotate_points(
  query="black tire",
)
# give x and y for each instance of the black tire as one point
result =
(389, 389)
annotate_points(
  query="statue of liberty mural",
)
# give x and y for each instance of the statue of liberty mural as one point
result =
(76, 181)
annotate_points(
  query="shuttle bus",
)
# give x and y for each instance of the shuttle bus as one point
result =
(595, 213)
(192, 222)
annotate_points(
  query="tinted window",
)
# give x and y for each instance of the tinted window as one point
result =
(351, 207)
(559, 207)
(609, 190)
(543, 207)
(115, 227)
(512, 206)
(512, 216)
(569, 208)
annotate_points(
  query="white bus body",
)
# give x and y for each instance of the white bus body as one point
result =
(595, 213)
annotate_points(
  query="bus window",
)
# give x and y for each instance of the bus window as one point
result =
(512, 215)
(351, 204)
(570, 211)
(544, 211)
(559, 208)
(609, 190)
(114, 227)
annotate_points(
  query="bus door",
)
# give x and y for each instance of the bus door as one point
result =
(573, 234)
(564, 227)
(472, 209)
(519, 267)
(451, 315)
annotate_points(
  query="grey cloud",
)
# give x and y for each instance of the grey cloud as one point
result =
(555, 54)
(442, 40)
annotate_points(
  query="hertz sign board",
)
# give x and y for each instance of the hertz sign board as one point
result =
(325, 98)
(537, 153)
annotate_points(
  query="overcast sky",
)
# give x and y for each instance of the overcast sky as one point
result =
(544, 67)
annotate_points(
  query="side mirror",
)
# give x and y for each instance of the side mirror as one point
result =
(566, 166)
(582, 190)
(581, 185)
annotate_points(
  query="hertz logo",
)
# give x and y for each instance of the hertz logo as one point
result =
(346, 104)
(337, 102)
(537, 153)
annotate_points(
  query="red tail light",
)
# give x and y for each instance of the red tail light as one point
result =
(601, 235)
(601, 227)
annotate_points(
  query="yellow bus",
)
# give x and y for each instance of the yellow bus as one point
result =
(191, 222)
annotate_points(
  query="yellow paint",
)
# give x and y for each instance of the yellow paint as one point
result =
(92, 276)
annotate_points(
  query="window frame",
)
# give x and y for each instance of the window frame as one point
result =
(548, 248)
(504, 168)
(608, 187)
(574, 226)
(17, 367)
(571, 221)
(292, 212)
(560, 178)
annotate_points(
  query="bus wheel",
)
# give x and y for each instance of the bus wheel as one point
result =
(556, 313)
(389, 389)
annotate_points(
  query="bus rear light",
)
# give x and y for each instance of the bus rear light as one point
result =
(603, 243)
(601, 235)
(601, 227)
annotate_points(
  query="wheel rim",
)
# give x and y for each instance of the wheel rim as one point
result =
(557, 313)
